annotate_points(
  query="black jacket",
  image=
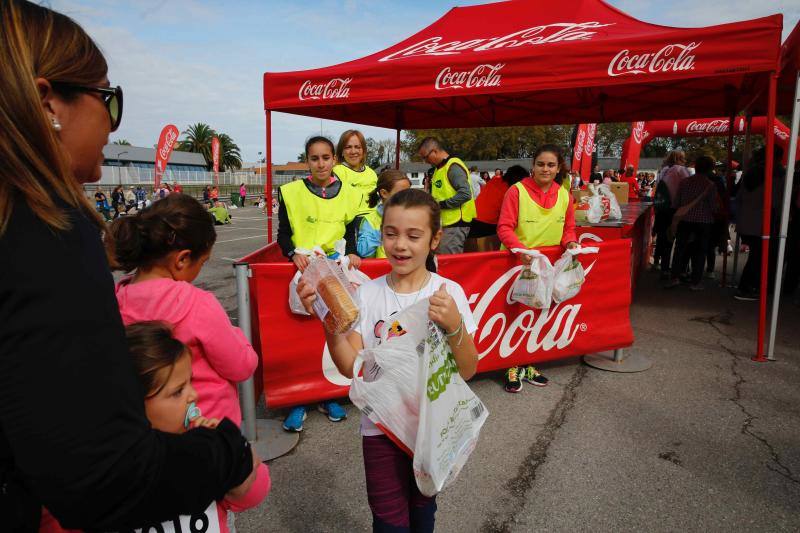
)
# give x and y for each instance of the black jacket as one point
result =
(73, 432)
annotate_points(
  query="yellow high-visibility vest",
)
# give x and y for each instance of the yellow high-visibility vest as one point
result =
(537, 226)
(364, 182)
(317, 221)
(442, 189)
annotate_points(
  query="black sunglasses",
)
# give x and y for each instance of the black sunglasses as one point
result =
(112, 98)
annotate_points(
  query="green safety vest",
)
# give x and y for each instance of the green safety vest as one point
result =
(317, 221)
(442, 189)
(537, 226)
(374, 219)
(364, 182)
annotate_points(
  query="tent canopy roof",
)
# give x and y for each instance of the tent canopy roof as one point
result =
(525, 62)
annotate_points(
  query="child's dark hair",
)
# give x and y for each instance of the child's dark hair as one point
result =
(386, 181)
(419, 198)
(559, 153)
(514, 174)
(176, 222)
(319, 139)
(153, 348)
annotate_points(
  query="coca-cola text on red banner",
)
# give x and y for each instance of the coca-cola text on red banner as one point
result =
(670, 58)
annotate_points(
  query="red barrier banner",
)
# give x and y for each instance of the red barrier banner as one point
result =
(297, 367)
(588, 150)
(215, 157)
(166, 142)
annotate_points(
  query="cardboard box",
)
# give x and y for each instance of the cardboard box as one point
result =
(578, 194)
(620, 190)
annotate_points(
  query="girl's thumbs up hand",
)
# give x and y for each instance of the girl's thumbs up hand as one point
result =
(443, 311)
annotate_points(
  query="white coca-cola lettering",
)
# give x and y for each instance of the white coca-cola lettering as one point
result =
(579, 144)
(779, 133)
(671, 58)
(712, 126)
(330, 90)
(169, 141)
(589, 146)
(547, 33)
(480, 76)
(638, 132)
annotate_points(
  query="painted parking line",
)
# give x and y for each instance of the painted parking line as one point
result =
(241, 228)
(261, 236)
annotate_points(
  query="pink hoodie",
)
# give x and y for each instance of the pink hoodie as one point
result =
(221, 355)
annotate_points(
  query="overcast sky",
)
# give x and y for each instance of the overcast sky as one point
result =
(188, 61)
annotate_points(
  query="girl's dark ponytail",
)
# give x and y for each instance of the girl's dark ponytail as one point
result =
(373, 198)
(177, 222)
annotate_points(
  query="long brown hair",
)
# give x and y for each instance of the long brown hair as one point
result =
(153, 349)
(37, 42)
(386, 181)
(343, 142)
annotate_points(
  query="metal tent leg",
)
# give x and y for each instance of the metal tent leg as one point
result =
(266, 436)
(617, 361)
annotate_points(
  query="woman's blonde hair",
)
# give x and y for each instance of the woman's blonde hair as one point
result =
(343, 142)
(37, 42)
(673, 157)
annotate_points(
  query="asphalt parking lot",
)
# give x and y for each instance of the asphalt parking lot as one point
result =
(706, 440)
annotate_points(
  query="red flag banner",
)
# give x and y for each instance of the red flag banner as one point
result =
(166, 142)
(215, 157)
(577, 150)
(588, 150)
(633, 146)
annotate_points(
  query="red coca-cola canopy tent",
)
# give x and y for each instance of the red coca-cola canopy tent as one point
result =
(525, 62)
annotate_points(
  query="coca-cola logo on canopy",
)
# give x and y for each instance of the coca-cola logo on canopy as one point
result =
(712, 126)
(670, 58)
(779, 133)
(480, 76)
(536, 35)
(638, 131)
(326, 90)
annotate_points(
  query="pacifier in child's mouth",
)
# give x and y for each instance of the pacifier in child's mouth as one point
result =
(192, 412)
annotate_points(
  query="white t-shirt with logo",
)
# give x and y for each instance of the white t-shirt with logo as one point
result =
(379, 302)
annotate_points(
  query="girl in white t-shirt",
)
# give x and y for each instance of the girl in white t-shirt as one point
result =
(411, 230)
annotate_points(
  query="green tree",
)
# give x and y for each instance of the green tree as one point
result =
(122, 142)
(301, 157)
(610, 137)
(198, 140)
(229, 156)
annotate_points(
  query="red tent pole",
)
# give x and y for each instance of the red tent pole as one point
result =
(728, 187)
(765, 222)
(397, 151)
(268, 171)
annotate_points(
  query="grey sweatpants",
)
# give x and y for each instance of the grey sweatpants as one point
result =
(453, 238)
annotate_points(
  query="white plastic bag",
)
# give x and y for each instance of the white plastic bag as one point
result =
(336, 304)
(568, 274)
(599, 205)
(614, 211)
(356, 277)
(295, 305)
(534, 285)
(411, 390)
(450, 417)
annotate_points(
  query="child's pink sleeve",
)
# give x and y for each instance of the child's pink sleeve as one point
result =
(224, 346)
(258, 491)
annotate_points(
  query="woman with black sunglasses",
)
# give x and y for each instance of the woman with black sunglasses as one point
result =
(73, 433)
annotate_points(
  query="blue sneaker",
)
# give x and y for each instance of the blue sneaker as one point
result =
(294, 422)
(334, 411)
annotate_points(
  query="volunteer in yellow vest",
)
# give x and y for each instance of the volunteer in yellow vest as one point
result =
(316, 211)
(536, 212)
(451, 187)
(368, 241)
(351, 154)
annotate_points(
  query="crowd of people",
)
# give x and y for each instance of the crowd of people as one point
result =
(149, 365)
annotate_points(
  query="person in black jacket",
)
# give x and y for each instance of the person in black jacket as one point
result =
(73, 433)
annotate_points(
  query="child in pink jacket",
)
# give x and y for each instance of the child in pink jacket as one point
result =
(166, 245)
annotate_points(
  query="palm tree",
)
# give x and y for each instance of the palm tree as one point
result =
(229, 156)
(122, 142)
(198, 140)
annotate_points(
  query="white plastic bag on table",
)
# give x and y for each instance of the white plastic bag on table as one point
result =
(388, 391)
(568, 274)
(450, 417)
(534, 285)
(295, 305)
(614, 211)
(599, 205)
(336, 304)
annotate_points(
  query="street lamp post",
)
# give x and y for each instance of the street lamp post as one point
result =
(119, 160)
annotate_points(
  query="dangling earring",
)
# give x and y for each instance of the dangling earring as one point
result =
(56, 124)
